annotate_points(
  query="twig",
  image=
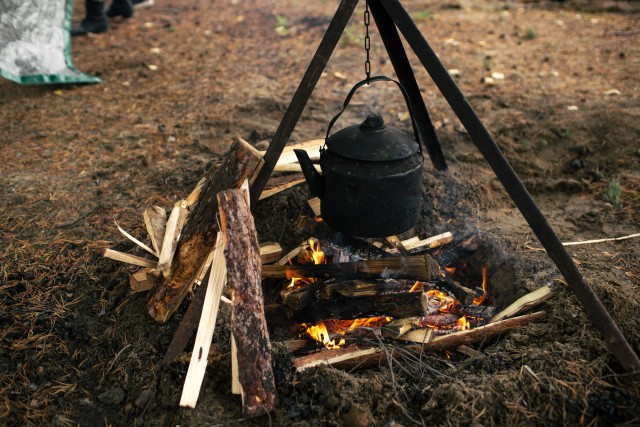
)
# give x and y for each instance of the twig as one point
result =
(588, 242)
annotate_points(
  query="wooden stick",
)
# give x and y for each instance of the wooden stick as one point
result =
(418, 267)
(155, 219)
(248, 325)
(129, 259)
(198, 235)
(136, 241)
(526, 302)
(293, 167)
(171, 236)
(589, 242)
(198, 364)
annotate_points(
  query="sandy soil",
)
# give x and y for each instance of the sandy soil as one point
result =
(183, 78)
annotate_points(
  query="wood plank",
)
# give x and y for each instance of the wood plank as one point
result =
(270, 252)
(206, 328)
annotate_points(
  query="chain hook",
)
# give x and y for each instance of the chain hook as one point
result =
(367, 42)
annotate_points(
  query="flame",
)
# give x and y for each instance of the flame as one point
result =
(446, 302)
(321, 334)
(450, 270)
(417, 287)
(315, 256)
(485, 289)
(463, 323)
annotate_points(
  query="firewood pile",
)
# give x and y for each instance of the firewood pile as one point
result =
(344, 301)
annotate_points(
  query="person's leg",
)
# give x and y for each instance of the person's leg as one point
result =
(122, 8)
(95, 20)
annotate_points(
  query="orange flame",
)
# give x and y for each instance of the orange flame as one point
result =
(463, 323)
(320, 332)
(485, 288)
(316, 256)
(446, 302)
(418, 286)
(450, 270)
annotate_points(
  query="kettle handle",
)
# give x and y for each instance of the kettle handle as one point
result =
(366, 82)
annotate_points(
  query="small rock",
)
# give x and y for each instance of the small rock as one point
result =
(497, 75)
(340, 75)
(358, 416)
(454, 72)
(572, 108)
(144, 397)
(155, 50)
(171, 139)
(153, 67)
(488, 80)
(555, 73)
(113, 396)
(148, 25)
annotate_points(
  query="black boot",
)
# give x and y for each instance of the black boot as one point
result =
(95, 20)
(122, 8)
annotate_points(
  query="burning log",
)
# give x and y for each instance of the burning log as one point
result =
(459, 292)
(417, 267)
(248, 325)
(350, 358)
(464, 248)
(393, 305)
(198, 236)
(481, 333)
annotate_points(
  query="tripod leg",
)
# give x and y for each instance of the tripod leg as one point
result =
(302, 95)
(401, 65)
(602, 320)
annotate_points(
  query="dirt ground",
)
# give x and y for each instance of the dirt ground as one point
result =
(182, 78)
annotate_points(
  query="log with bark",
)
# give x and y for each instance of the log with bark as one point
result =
(417, 267)
(242, 161)
(248, 324)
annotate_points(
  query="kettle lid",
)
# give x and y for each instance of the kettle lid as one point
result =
(372, 140)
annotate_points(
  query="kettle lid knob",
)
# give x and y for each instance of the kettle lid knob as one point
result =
(372, 122)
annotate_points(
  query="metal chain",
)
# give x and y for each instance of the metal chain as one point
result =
(367, 41)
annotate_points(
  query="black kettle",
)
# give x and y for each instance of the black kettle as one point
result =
(371, 182)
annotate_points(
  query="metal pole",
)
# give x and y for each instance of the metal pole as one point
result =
(402, 67)
(302, 95)
(602, 320)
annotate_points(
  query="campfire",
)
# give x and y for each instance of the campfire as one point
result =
(334, 299)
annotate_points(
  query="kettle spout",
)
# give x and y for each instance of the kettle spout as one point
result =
(314, 179)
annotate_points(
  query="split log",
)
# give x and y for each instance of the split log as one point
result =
(270, 252)
(417, 267)
(172, 234)
(206, 328)
(314, 204)
(397, 244)
(399, 327)
(523, 303)
(248, 324)
(478, 311)
(288, 156)
(198, 236)
(155, 219)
